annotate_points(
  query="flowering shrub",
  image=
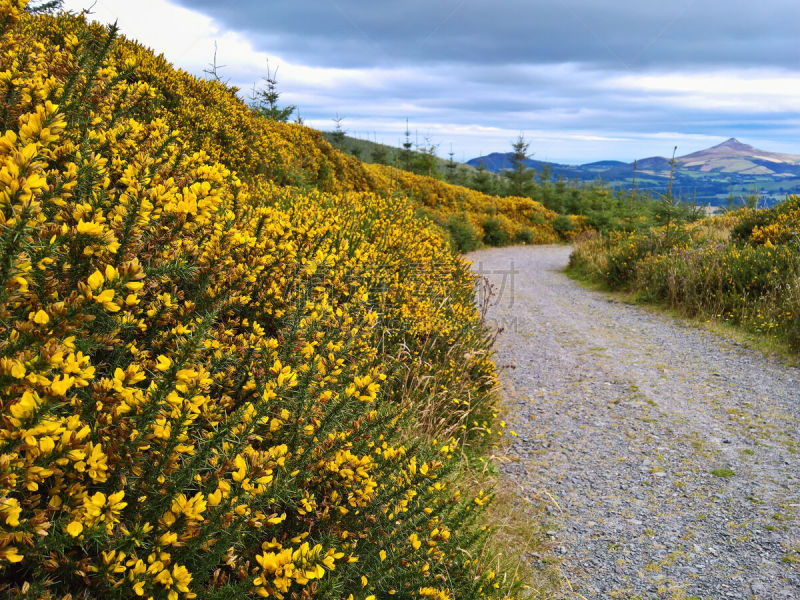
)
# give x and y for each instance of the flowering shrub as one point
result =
(215, 121)
(520, 220)
(742, 267)
(214, 384)
(779, 225)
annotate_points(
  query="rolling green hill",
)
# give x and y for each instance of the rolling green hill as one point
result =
(725, 173)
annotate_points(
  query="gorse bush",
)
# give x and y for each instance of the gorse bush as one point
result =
(493, 232)
(464, 235)
(257, 148)
(563, 223)
(742, 268)
(442, 201)
(212, 386)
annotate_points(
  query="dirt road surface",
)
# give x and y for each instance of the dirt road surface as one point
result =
(672, 455)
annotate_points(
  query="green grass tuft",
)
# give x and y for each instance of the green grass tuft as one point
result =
(723, 472)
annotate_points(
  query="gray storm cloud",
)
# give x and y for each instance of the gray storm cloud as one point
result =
(570, 69)
(620, 34)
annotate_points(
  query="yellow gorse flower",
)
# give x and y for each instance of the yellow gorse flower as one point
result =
(217, 337)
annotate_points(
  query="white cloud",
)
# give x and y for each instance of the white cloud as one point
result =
(184, 36)
(187, 38)
(746, 90)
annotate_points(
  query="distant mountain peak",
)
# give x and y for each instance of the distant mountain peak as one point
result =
(735, 144)
(710, 173)
(728, 149)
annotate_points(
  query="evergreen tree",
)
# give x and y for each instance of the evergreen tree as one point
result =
(46, 6)
(482, 180)
(666, 210)
(633, 196)
(427, 160)
(406, 155)
(545, 192)
(380, 155)
(213, 69)
(462, 176)
(337, 137)
(265, 100)
(544, 176)
(519, 176)
(450, 167)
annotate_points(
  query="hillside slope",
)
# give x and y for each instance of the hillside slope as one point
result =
(740, 268)
(209, 115)
(233, 362)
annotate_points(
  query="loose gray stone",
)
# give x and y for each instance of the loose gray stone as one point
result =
(622, 414)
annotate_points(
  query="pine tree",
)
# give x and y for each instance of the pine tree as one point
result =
(462, 175)
(380, 155)
(519, 176)
(426, 160)
(544, 176)
(337, 137)
(264, 101)
(213, 69)
(665, 210)
(406, 155)
(482, 180)
(450, 167)
(47, 6)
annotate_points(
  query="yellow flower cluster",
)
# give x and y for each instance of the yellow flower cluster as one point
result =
(779, 225)
(521, 219)
(286, 153)
(213, 383)
(741, 267)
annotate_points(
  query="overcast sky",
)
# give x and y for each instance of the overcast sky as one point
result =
(584, 80)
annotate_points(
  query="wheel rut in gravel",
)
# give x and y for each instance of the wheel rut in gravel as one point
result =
(670, 454)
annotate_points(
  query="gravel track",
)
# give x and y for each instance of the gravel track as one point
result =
(622, 414)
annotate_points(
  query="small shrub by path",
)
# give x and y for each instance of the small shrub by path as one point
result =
(741, 268)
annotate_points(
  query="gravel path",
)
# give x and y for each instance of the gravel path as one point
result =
(671, 453)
